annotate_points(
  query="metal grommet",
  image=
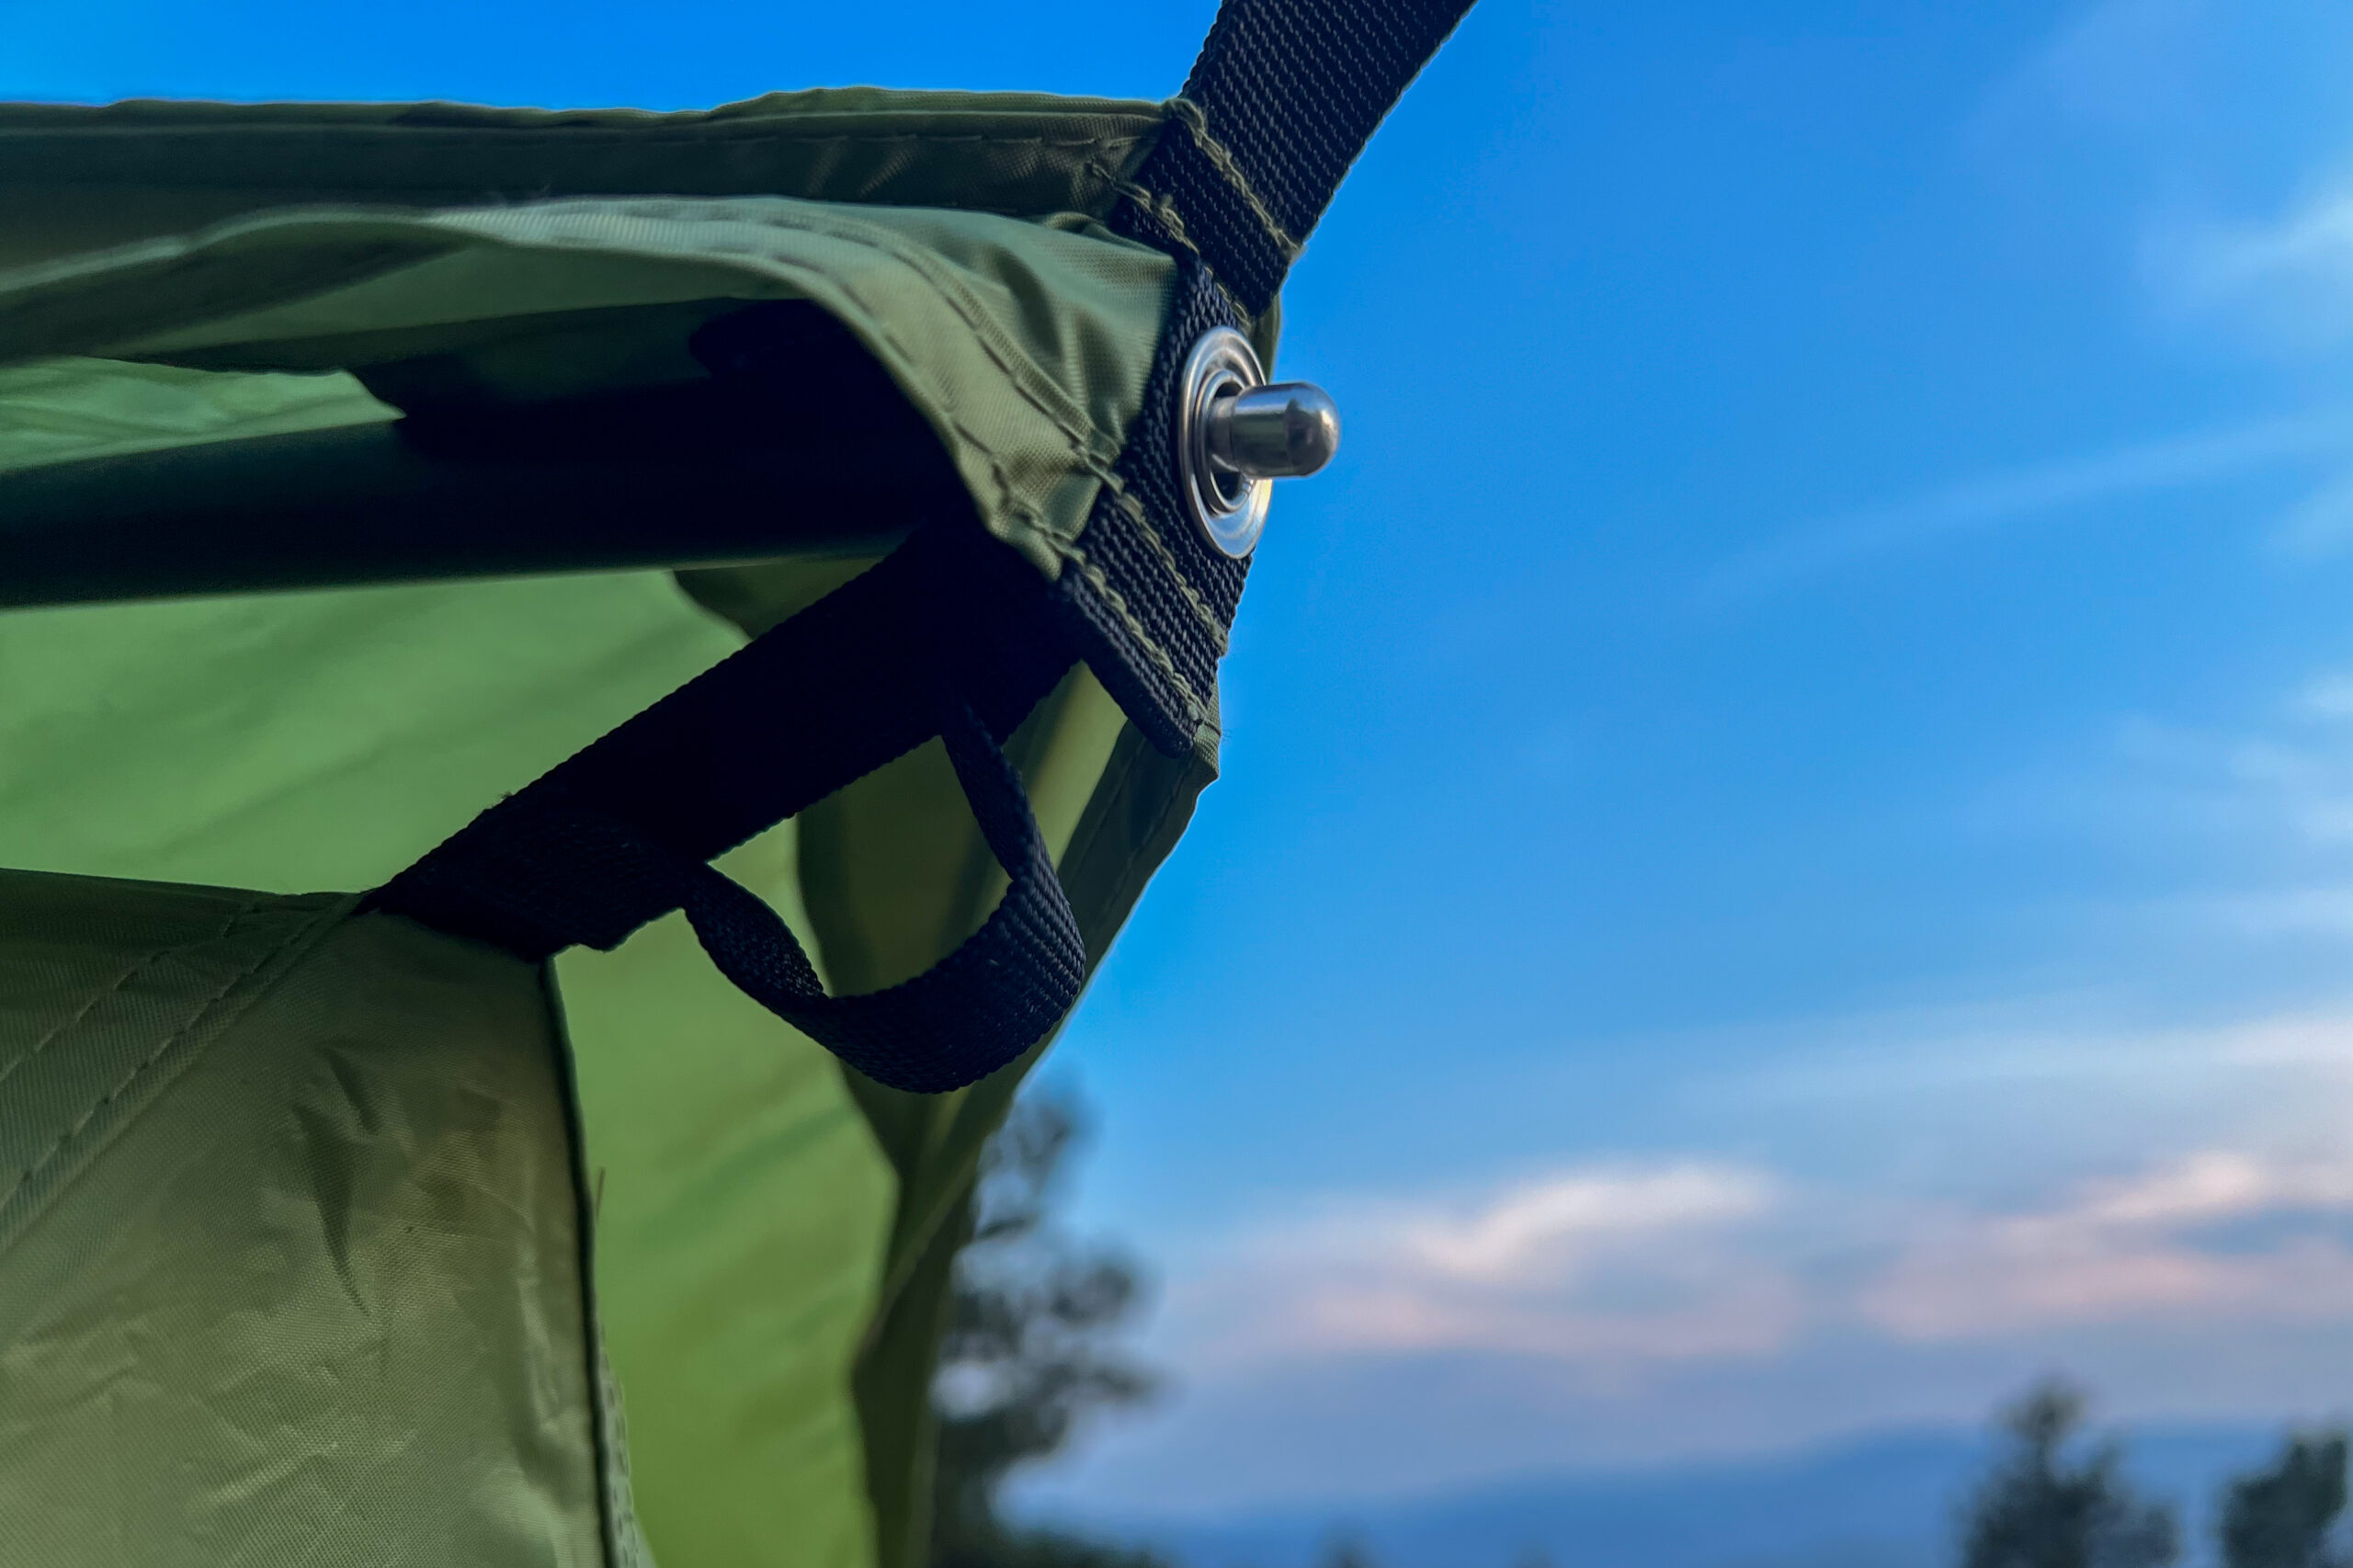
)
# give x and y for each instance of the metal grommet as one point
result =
(1236, 434)
(1230, 506)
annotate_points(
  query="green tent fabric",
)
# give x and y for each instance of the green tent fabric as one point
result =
(1023, 334)
(294, 1245)
(771, 1234)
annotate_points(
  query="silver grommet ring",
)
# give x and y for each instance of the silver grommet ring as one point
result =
(1230, 506)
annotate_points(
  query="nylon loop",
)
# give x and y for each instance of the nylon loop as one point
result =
(998, 993)
(621, 834)
(967, 1015)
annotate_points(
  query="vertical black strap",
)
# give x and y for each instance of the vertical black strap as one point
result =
(1285, 95)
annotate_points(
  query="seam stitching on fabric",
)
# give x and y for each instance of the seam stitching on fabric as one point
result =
(1074, 425)
(608, 1424)
(1159, 208)
(617, 133)
(202, 1015)
(1075, 428)
(1188, 113)
(1100, 829)
(114, 987)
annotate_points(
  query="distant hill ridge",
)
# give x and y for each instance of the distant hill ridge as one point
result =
(1884, 1501)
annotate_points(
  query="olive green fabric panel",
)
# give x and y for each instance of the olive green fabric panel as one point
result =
(325, 740)
(318, 739)
(741, 1210)
(68, 410)
(894, 871)
(77, 179)
(313, 1292)
(894, 874)
(1025, 344)
(884, 903)
(315, 740)
(103, 1009)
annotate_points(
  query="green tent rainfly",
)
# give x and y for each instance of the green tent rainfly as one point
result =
(874, 472)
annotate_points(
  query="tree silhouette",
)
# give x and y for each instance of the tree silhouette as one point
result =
(2281, 1517)
(1029, 1352)
(2036, 1511)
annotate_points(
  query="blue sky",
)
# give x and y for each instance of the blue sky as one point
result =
(1786, 858)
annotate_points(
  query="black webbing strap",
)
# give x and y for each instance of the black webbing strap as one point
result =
(1148, 600)
(953, 635)
(948, 637)
(1285, 95)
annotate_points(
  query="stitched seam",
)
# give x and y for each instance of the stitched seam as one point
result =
(1081, 434)
(922, 1235)
(1094, 448)
(1159, 656)
(114, 987)
(623, 134)
(1078, 430)
(1159, 823)
(1188, 114)
(202, 1015)
(1208, 618)
(1159, 208)
(1082, 439)
(1098, 148)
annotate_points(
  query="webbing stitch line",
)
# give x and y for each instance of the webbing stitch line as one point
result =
(1282, 99)
(1188, 113)
(1148, 614)
(1294, 89)
(1216, 629)
(1101, 584)
(1161, 210)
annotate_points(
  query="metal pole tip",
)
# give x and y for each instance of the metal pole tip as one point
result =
(1282, 431)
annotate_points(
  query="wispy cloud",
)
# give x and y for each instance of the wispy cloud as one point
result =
(2185, 1178)
(1990, 1185)
(2172, 463)
(2270, 793)
(2168, 1243)
(1606, 1265)
(2195, 115)
(2289, 276)
(1686, 1263)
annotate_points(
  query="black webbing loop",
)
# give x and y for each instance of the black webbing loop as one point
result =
(1285, 95)
(620, 834)
(974, 1011)
(963, 1018)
